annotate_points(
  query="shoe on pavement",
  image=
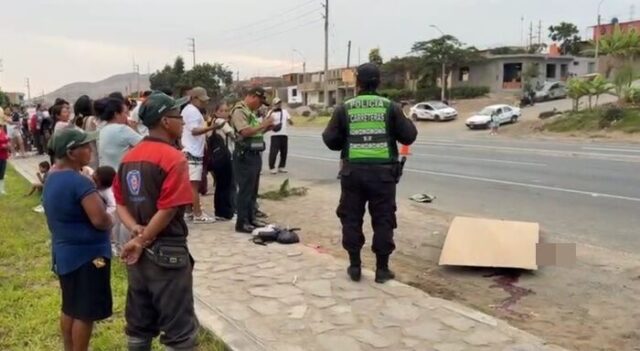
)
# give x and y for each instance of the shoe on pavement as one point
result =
(273, 171)
(258, 223)
(282, 170)
(260, 214)
(355, 273)
(223, 219)
(245, 228)
(38, 209)
(203, 219)
(384, 275)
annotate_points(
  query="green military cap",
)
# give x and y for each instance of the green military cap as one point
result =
(68, 139)
(157, 105)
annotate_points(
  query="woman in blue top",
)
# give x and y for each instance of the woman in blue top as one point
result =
(81, 249)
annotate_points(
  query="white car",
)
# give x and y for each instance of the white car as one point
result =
(551, 91)
(504, 113)
(433, 110)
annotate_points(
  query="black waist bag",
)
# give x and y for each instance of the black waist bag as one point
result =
(169, 255)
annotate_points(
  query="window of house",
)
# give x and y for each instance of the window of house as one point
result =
(321, 97)
(551, 71)
(592, 67)
(294, 92)
(464, 74)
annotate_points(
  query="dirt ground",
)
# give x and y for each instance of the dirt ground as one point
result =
(592, 306)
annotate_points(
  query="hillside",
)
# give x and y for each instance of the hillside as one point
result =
(124, 83)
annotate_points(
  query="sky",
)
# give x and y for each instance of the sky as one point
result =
(56, 42)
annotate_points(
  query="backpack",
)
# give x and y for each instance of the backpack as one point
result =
(219, 152)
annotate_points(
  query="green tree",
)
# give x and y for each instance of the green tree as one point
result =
(169, 76)
(530, 75)
(567, 35)
(374, 56)
(4, 99)
(213, 77)
(394, 72)
(447, 50)
(624, 45)
(596, 87)
(577, 89)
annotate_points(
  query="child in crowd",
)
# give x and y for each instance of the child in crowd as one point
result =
(103, 178)
(4, 154)
(43, 169)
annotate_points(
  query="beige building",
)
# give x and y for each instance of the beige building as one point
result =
(341, 84)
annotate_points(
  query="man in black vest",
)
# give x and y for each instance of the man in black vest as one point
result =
(366, 130)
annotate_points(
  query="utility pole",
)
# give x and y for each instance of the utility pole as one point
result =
(237, 76)
(522, 31)
(326, 54)
(597, 36)
(443, 78)
(192, 49)
(304, 64)
(349, 54)
(530, 35)
(358, 56)
(539, 33)
(28, 85)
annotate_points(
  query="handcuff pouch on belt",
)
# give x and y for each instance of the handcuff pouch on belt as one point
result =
(168, 254)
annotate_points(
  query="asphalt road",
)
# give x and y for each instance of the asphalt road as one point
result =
(579, 192)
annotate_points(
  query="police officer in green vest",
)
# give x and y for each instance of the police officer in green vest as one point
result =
(366, 129)
(247, 158)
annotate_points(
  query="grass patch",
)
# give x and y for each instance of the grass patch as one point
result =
(320, 121)
(284, 192)
(30, 292)
(592, 120)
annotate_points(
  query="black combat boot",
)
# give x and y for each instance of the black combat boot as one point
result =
(383, 273)
(355, 266)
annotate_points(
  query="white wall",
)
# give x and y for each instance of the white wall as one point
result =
(313, 98)
(582, 66)
(294, 99)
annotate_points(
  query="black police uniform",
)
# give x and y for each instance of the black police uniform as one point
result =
(368, 182)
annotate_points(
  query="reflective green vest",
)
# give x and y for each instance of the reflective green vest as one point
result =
(251, 119)
(368, 138)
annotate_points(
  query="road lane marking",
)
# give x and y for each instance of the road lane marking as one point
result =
(610, 149)
(495, 181)
(484, 160)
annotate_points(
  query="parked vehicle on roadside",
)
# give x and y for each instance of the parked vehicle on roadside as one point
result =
(433, 110)
(505, 114)
(552, 91)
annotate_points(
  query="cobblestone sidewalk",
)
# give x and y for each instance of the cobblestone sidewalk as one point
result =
(288, 298)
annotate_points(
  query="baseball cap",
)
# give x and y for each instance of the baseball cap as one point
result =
(69, 139)
(200, 93)
(259, 92)
(276, 101)
(156, 105)
(368, 73)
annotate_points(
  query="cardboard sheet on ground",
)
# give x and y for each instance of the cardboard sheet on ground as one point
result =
(481, 242)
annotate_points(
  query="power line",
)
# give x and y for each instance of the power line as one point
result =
(273, 34)
(269, 18)
(261, 30)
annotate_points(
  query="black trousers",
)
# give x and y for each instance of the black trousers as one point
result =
(246, 169)
(161, 300)
(374, 186)
(3, 168)
(279, 144)
(223, 198)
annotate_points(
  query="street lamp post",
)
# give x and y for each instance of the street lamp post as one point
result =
(598, 33)
(444, 68)
(304, 64)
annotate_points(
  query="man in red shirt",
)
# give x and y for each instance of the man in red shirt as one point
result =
(152, 190)
(4, 152)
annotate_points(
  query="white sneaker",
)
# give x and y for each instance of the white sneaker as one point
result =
(273, 171)
(282, 170)
(203, 219)
(188, 217)
(38, 209)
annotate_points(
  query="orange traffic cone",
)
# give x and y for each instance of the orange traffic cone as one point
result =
(404, 150)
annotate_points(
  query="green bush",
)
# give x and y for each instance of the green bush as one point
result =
(397, 94)
(611, 115)
(427, 93)
(469, 92)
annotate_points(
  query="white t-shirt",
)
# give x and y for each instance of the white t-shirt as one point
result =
(135, 117)
(193, 119)
(281, 117)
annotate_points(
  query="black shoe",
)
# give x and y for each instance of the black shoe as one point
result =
(384, 275)
(355, 273)
(260, 214)
(258, 223)
(245, 228)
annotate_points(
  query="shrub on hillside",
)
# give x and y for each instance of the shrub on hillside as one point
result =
(469, 92)
(610, 116)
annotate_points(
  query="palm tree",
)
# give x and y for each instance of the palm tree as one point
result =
(576, 89)
(598, 86)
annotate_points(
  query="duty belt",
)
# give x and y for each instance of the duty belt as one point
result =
(190, 157)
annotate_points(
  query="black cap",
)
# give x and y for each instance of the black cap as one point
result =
(368, 73)
(259, 92)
